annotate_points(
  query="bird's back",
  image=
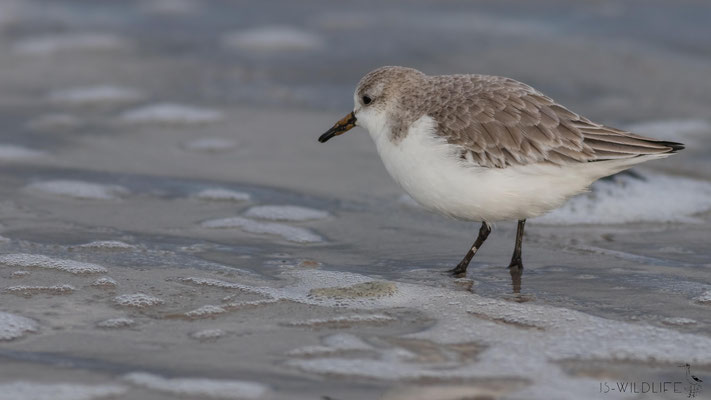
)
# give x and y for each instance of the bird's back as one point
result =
(499, 122)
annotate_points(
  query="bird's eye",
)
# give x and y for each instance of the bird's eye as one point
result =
(367, 100)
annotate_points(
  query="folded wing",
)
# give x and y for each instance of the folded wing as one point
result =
(499, 122)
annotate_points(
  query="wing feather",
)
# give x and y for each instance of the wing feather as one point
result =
(499, 122)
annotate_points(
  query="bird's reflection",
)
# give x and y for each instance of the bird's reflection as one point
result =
(516, 273)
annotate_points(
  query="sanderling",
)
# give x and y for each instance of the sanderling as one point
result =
(487, 148)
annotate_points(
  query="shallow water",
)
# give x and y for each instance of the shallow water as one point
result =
(170, 226)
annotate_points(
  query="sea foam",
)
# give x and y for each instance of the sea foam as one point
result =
(290, 233)
(524, 341)
(285, 213)
(55, 43)
(167, 113)
(199, 387)
(14, 326)
(208, 334)
(80, 189)
(28, 291)
(273, 38)
(21, 260)
(11, 152)
(137, 300)
(220, 194)
(25, 390)
(95, 95)
(112, 245)
(627, 198)
(116, 323)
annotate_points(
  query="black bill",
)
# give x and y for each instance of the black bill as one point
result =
(341, 127)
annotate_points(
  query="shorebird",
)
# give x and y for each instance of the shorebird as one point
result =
(487, 148)
(693, 381)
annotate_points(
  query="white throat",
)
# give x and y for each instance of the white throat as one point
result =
(376, 123)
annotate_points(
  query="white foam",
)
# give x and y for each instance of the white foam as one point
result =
(40, 261)
(303, 290)
(681, 130)
(116, 323)
(345, 341)
(248, 304)
(28, 291)
(207, 311)
(108, 245)
(237, 286)
(273, 38)
(90, 95)
(285, 213)
(168, 113)
(219, 194)
(105, 282)
(704, 298)
(137, 300)
(311, 351)
(209, 388)
(210, 145)
(208, 334)
(10, 152)
(524, 341)
(54, 122)
(332, 344)
(585, 276)
(290, 233)
(344, 319)
(19, 274)
(55, 43)
(217, 283)
(80, 189)
(625, 199)
(679, 321)
(24, 390)
(14, 326)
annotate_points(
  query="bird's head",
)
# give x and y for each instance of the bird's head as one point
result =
(377, 99)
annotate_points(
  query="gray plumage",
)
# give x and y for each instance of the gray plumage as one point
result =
(498, 122)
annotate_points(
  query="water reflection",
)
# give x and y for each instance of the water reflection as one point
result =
(516, 273)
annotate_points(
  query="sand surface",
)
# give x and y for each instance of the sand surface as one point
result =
(169, 225)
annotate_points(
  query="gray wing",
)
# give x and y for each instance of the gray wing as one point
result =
(499, 122)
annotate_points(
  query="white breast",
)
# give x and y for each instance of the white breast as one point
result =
(431, 171)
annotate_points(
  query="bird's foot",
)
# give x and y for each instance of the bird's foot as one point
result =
(459, 271)
(516, 263)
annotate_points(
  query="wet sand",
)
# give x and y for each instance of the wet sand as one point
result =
(169, 225)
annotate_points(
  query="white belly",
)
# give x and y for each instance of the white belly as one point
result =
(430, 171)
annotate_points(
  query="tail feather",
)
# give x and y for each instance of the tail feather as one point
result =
(674, 146)
(614, 144)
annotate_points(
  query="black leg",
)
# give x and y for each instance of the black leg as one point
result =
(516, 266)
(516, 258)
(461, 268)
